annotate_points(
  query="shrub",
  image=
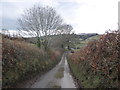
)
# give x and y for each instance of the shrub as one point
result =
(20, 59)
(96, 65)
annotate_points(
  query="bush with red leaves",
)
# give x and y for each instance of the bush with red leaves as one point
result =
(100, 58)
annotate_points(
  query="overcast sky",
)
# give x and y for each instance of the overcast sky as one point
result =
(86, 16)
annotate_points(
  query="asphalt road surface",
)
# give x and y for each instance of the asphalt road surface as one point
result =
(58, 77)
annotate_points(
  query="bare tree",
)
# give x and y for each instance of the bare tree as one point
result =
(40, 21)
(65, 29)
(66, 41)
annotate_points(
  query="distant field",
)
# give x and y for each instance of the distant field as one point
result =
(82, 42)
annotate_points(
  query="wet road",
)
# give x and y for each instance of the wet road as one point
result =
(58, 77)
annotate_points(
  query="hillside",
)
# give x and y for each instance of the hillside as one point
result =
(83, 42)
(79, 40)
(96, 65)
(85, 36)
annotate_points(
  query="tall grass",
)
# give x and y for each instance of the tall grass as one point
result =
(20, 59)
(96, 65)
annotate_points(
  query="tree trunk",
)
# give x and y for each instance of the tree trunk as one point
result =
(38, 42)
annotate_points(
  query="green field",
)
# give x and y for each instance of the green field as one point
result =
(82, 42)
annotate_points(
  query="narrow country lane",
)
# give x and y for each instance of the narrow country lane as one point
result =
(58, 77)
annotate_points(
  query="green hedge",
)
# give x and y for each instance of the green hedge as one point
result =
(20, 59)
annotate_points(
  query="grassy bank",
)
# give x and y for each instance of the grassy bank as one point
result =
(96, 65)
(21, 59)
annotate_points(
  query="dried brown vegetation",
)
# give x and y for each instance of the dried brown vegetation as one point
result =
(21, 59)
(96, 65)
